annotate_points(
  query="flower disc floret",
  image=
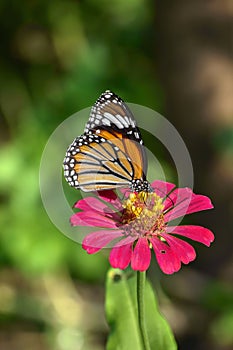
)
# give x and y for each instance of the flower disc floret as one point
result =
(142, 215)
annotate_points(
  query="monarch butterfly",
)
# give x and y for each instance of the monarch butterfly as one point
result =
(110, 153)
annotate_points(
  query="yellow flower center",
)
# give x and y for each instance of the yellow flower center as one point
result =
(143, 215)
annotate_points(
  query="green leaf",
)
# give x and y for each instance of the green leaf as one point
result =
(121, 312)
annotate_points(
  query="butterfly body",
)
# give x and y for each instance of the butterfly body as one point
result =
(110, 153)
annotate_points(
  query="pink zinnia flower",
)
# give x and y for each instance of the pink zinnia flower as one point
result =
(141, 223)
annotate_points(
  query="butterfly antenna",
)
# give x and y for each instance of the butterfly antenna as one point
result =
(167, 195)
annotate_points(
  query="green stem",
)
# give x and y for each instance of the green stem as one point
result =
(141, 278)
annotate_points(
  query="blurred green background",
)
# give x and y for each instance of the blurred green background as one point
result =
(56, 58)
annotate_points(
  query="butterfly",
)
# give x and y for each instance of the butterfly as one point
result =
(110, 153)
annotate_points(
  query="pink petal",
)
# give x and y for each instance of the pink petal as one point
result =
(141, 255)
(120, 255)
(110, 197)
(183, 250)
(95, 241)
(178, 197)
(162, 188)
(88, 219)
(91, 203)
(199, 203)
(166, 257)
(196, 233)
(183, 201)
(125, 191)
(95, 205)
(107, 195)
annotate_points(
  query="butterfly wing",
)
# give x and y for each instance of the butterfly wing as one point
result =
(96, 163)
(110, 153)
(111, 111)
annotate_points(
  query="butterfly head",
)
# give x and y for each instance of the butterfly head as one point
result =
(140, 185)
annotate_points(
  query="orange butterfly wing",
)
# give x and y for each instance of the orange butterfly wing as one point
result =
(110, 153)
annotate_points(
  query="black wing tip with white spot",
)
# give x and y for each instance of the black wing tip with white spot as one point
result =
(98, 118)
(108, 96)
